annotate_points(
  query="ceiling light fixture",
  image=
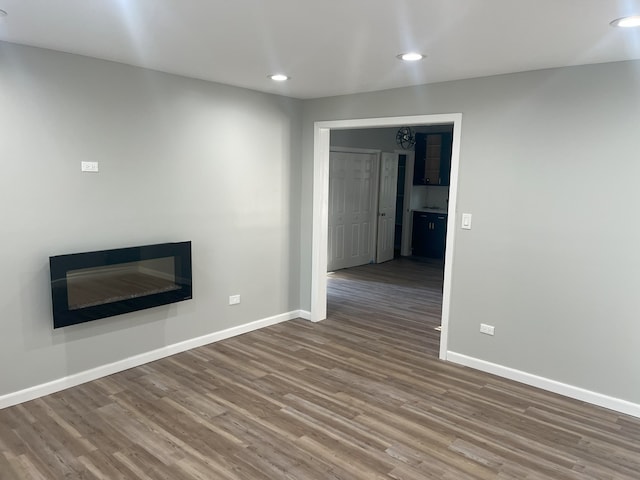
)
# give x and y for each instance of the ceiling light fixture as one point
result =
(405, 138)
(411, 56)
(626, 22)
(279, 77)
(3, 13)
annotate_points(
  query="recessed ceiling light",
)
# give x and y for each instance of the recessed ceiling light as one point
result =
(626, 22)
(279, 77)
(411, 56)
(3, 13)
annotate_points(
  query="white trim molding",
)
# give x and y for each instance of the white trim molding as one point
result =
(335, 148)
(63, 383)
(571, 391)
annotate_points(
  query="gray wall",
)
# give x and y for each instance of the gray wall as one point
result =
(378, 138)
(549, 168)
(179, 160)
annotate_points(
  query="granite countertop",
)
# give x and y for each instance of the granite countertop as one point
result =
(441, 211)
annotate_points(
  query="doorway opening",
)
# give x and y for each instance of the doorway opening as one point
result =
(322, 132)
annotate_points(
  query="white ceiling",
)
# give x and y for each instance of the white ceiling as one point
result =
(328, 47)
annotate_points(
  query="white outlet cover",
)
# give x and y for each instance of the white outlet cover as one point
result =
(89, 167)
(487, 329)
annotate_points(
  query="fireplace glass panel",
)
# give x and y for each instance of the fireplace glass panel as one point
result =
(87, 287)
(92, 285)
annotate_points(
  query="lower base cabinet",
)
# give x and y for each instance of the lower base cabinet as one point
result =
(429, 235)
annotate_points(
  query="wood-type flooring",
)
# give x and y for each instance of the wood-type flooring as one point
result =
(360, 396)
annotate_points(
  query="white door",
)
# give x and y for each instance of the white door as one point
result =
(387, 206)
(351, 211)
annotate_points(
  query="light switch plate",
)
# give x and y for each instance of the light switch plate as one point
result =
(466, 221)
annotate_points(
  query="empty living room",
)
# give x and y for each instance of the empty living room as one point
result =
(149, 333)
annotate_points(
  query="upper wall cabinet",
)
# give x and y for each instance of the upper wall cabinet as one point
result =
(433, 159)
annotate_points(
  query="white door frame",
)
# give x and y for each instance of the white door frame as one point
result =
(407, 228)
(321, 145)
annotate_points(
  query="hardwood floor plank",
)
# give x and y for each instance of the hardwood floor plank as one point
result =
(19, 467)
(359, 396)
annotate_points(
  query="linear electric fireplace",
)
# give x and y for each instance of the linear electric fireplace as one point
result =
(92, 285)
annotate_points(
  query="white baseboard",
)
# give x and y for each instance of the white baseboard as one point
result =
(577, 393)
(48, 388)
(305, 315)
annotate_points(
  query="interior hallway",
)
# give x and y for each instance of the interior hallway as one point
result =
(404, 295)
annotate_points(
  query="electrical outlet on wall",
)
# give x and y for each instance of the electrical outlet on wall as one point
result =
(487, 329)
(89, 167)
(234, 299)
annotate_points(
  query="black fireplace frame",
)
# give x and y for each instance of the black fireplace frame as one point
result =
(61, 264)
